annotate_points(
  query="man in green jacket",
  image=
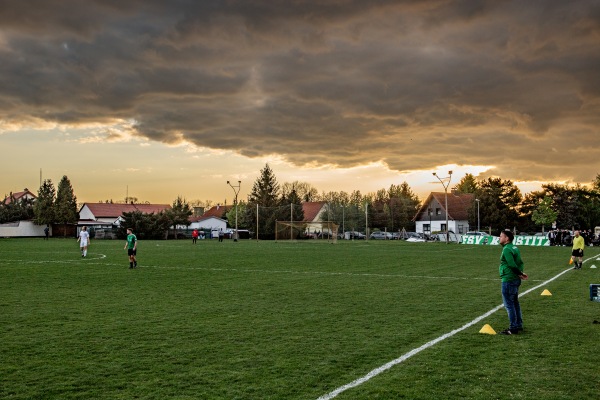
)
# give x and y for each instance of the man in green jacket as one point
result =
(511, 273)
(577, 251)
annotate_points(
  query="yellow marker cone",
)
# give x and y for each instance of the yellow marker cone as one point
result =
(487, 329)
(546, 292)
(570, 261)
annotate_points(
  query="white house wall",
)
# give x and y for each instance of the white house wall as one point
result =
(86, 213)
(22, 229)
(210, 224)
(436, 226)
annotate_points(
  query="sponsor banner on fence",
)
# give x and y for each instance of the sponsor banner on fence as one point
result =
(495, 240)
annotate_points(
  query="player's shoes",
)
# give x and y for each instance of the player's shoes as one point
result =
(509, 332)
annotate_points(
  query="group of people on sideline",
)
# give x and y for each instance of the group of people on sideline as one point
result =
(563, 237)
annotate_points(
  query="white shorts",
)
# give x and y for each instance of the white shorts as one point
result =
(83, 243)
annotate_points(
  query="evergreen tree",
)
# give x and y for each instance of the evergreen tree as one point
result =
(43, 208)
(468, 184)
(12, 210)
(293, 201)
(265, 194)
(596, 183)
(65, 206)
(179, 214)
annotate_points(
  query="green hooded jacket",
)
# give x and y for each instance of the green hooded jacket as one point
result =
(511, 264)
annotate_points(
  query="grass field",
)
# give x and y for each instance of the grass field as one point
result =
(266, 320)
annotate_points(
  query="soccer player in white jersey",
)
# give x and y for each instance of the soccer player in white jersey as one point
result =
(84, 241)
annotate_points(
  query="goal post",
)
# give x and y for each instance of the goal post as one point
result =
(294, 230)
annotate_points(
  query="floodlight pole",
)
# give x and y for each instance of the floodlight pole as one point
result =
(235, 237)
(478, 229)
(445, 185)
(343, 221)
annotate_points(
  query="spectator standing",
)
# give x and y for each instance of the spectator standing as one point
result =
(511, 274)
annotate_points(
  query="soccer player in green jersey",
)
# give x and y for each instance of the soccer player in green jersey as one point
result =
(131, 247)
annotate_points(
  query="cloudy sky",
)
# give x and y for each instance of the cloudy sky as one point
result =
(157, 99)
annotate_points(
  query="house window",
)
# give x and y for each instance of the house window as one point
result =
(427, 228)
(438, 211)
(443, 228)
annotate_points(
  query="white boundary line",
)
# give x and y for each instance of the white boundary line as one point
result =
(265, 271)
(427, 345)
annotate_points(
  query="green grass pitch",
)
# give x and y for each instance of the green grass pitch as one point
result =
(281, 320)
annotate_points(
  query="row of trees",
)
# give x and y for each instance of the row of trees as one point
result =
(157, 225)
(500, 202)
(390, 209)
(16, 210)
(51, 207)
(501, 205)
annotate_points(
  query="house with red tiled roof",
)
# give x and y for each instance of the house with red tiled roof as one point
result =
(313, 210)
(314, 216)
(217, 211)
(213, 220)
(431, 216)
(110, 214)
(17, 196)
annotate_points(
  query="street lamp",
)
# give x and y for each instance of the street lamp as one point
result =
(478, 229)
(235, 237)
(445, 183)
(430, 212)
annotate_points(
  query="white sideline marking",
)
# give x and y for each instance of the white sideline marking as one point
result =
(427, 345)
(79, 259)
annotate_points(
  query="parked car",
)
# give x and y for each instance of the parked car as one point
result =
(381, 235)
(350, 235)
(411, 235)
(475, 233)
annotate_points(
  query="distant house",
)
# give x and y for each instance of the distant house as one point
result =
(211, 220)
(313, 216)
(207, 223)
(105, 215)
(313, 210)
(431, 216)
(17, 196)
(218, 211)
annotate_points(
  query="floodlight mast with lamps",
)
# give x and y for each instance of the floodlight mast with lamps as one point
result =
(235, 237)
(445, 185)
(478, 229)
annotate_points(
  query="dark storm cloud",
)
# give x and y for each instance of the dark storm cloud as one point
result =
(414, 84)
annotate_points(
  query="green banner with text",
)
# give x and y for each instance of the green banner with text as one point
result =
(495, 240)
